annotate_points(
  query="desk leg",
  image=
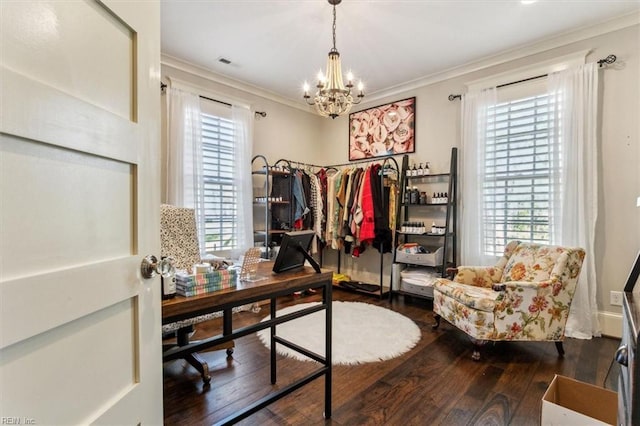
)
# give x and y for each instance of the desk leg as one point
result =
(273, 342)
(328, 354)
(227, 325)
(200, 365)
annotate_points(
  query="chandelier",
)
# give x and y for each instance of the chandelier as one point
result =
(333, 98)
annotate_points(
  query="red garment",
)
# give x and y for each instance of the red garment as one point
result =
(367, 228)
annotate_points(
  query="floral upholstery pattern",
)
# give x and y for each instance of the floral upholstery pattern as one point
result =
(536, 286)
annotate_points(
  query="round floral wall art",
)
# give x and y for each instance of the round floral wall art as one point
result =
(384, 130)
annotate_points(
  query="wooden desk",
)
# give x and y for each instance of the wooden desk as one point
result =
(274, 286)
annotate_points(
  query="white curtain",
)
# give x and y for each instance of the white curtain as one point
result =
(185, 183)
(243, 133)
(475, 120)
(574, 92)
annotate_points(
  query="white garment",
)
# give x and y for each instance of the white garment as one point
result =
(574, 92)
(317, 205)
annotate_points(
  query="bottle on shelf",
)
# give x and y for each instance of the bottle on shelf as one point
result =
(414, 171)
(415, 196)
(434, 228)
(426, 169)
(407, 194)
(420, 170)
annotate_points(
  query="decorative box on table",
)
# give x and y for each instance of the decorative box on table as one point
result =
(197, 284)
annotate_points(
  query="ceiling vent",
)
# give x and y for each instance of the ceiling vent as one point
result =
(224, 60)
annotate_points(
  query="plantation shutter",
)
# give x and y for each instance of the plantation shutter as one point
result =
(221, 197)
(517, 189)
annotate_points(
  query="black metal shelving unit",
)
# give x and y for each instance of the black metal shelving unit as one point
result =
(275, 206)
(407, 212)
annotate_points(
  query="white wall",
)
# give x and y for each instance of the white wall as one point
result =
(618, 226)
(298, 135)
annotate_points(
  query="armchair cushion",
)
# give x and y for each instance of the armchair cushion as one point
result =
(478, 276)
(531, 262)
(179, 236)
(480, 298)
(486, 276)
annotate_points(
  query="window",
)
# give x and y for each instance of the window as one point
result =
(518, 185)
(220, 193)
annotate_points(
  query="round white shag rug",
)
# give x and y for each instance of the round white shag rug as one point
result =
(361, 333)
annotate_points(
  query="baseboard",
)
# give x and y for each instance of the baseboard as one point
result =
(610, 324)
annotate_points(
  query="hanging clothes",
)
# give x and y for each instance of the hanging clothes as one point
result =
(380, 195)
(307, 220)
(317, 208)
(300, 202)
(333, 183)
(393, 197)
(349, 235)
(367, 227)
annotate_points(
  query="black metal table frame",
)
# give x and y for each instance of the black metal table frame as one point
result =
(229, 334)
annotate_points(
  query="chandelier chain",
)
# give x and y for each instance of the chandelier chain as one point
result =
(334, 27)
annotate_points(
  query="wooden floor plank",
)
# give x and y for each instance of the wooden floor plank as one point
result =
(434, 383)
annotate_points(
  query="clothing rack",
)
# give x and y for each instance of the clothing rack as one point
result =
(388, 162)
(602, 62)
(350, 163)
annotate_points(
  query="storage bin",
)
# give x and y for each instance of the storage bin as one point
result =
(418, 281)
(572, 402)
(416, 287)
(426, 259)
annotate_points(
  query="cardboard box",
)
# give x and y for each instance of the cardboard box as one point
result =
(572, 402)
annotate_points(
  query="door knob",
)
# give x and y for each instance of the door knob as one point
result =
(622, 355)
(150, 267)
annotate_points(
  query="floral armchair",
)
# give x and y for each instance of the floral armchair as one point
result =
(525, 296)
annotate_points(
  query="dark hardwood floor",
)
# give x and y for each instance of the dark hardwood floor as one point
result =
(434, 383)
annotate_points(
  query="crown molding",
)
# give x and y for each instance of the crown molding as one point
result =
(519, 52)
(188, 67)
(553, 42)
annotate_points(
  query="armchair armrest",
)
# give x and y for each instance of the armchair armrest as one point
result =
(532, 310)
(479, 276)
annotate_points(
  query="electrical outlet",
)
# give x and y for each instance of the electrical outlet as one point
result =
(615, 298)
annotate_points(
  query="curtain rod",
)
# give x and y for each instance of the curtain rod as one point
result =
(262, 114)
(602, 62)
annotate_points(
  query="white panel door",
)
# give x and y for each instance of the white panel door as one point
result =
(80, 338)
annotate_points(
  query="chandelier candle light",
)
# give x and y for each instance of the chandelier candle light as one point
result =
(333, 98)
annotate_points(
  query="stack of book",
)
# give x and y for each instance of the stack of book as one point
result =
(194, 285)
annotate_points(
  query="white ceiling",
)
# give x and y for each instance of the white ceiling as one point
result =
(277, 45)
